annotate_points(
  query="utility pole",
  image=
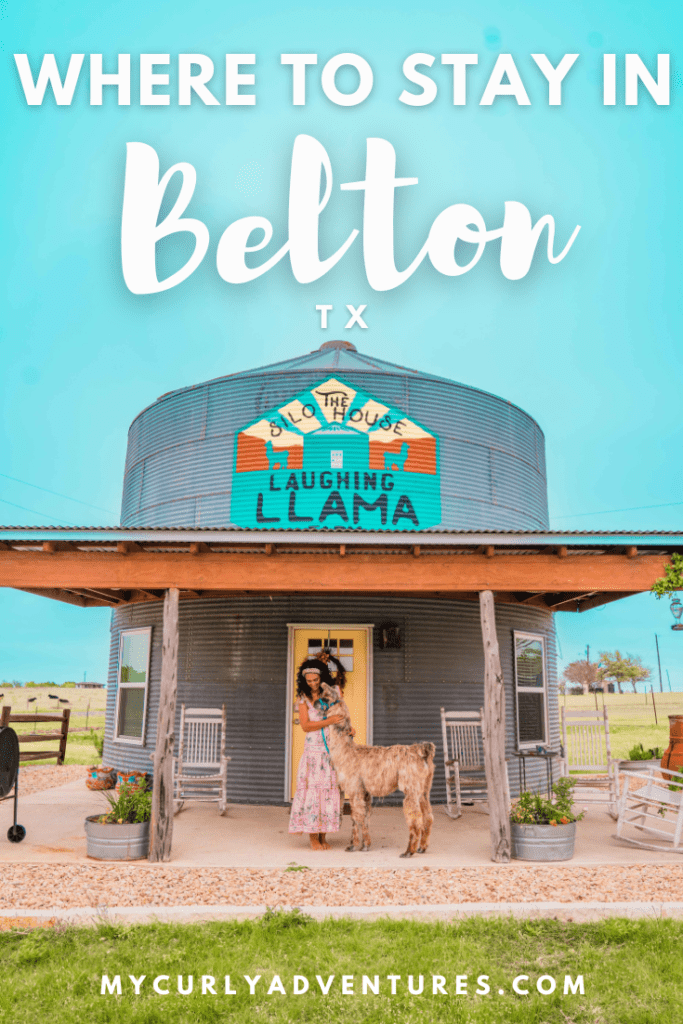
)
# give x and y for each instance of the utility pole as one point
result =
(659, 663)
(669, 678)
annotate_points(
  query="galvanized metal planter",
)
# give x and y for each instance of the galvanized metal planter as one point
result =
(639, 766)
(116, 842)
(543, 842)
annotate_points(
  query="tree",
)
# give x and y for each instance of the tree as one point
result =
(622, 668)
(582, 673)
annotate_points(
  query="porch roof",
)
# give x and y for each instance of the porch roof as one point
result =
(112, 566)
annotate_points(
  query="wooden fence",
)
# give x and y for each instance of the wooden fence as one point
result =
(7, 718)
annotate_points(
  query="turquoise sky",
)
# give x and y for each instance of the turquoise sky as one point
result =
(590, 347)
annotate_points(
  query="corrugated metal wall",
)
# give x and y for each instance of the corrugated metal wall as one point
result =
(234, 650)
(180, 450)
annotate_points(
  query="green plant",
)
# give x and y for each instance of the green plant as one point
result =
(97, 739)
(639, 753)
(672, 579)
(534, 809)
(132, 806)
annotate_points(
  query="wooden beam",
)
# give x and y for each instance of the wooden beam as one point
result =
(529, 598)
(361, 571)
(600, 599)
(555, 601)
(493, 729)
(102, 595)
(161, 825)
(68, 596)
(199, 548)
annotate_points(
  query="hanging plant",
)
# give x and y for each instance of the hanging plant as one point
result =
(672, 580)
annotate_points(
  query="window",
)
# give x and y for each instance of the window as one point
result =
(531, 689)
(133, 677)
(341, 649)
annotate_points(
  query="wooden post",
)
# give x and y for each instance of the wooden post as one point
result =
(497, 785)
(161, 826)
(66, 715)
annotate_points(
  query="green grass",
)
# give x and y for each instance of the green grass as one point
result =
(633, 971)
(631, 718)
(79, 750)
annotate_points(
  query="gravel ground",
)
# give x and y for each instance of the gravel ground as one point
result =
(36, 886)
(35, 778)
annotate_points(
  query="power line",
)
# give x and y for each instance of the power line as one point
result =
(609, 511)
(57, 494)
(35, 512)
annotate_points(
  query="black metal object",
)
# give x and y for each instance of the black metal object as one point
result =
(9, 777)
(545, 754)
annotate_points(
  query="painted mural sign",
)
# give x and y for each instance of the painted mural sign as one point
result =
(335, 456)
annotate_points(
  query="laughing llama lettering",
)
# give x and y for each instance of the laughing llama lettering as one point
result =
(335, 456)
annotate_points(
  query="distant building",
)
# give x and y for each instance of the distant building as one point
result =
(90, 686)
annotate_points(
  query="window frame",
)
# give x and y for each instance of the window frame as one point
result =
(524, 635)
(118, 737)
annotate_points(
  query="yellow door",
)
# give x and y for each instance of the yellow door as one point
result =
(351, 647)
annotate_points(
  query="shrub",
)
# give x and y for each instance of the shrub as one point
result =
(132, 806)
(534, 809)
(97, 739)
(638, 753)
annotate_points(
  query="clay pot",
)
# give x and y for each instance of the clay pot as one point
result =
(673, 755)
(134, 780)
(99, 777)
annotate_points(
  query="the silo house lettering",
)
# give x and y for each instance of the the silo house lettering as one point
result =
(335, 456)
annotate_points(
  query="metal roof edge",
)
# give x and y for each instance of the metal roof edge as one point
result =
(499, 538)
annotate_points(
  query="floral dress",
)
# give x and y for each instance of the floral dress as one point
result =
(316, 806)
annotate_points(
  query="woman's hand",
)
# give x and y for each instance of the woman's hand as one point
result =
(309, 726)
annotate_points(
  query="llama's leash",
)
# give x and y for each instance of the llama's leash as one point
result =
(326, 707)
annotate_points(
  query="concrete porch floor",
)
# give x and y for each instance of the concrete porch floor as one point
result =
(257, 837)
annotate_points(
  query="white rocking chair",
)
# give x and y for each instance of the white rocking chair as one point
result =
(463, 755)
(201, 749)
(653, 810)
(586, 745)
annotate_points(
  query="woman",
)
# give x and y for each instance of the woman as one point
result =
(316, 807)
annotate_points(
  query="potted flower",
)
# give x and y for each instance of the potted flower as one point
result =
(99, 776)
(641, 758)
(123, 832)
(543, 829)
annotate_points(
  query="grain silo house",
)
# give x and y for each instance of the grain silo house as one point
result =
(332, 441)
(331, 502)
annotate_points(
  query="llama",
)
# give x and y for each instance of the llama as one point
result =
(391, 459)
(276, 459)
(364, 772)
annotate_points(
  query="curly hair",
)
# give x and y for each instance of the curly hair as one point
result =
(302, 687)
